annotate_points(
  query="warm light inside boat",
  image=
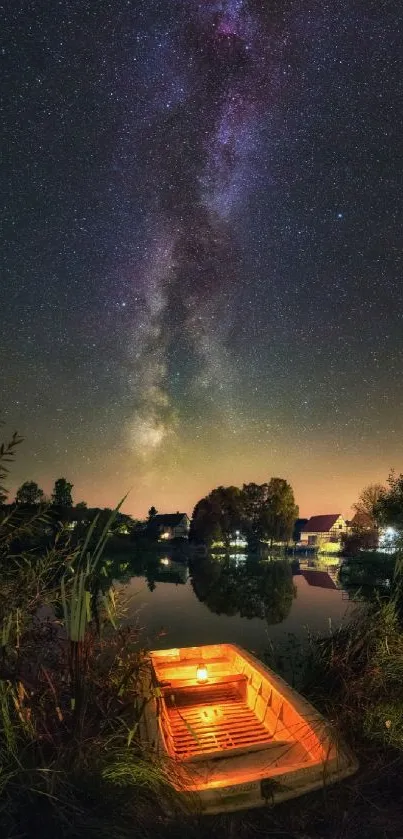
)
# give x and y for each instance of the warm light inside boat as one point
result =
(235, 730)
(201, 673)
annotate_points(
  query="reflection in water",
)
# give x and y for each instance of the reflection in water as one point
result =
(250, 589)
(238, 599)
(236, 585)
(165, 570)
(369, 578)
(320, 579)
(236, 557)
(240, 585)
(152, 566)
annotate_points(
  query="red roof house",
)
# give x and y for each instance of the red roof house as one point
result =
(327, 528)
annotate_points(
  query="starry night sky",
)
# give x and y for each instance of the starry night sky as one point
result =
(203, 237)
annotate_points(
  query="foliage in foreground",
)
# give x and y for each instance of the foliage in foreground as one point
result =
(70, 704)
(70, 692)
(356, 674)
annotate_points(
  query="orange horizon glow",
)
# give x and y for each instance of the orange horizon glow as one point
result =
(326, 478)
(318, 489)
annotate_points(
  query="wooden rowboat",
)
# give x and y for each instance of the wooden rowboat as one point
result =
(238, 736)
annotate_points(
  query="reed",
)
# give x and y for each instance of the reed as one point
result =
(70, 690)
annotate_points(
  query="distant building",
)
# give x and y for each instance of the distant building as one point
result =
(299, 524)
(168, 526)
(319, 530)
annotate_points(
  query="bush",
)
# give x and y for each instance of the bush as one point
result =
(356, 674)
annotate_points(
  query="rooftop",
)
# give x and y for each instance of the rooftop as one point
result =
(320, 524)
(166, 520)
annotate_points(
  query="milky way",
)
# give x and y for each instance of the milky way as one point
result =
(202, 246)
(200, 159)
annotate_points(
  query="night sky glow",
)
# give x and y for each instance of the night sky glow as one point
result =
(202, 276)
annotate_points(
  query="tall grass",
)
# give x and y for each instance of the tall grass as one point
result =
(70, 690)
(356, 673)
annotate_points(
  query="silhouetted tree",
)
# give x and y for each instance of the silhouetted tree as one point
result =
(254, 497)
(367, 504)
(152, 513)
(280, 511)
(204, 526)
(388, 509)
(261, 511)
(61, 495)
(29, 493)
(359, 540)
(218, 515)
(82, 505)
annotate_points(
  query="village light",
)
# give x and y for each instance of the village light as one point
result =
(201, 673)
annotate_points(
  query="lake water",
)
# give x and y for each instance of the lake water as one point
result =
(254, 604)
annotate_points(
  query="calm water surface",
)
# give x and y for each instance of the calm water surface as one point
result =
(249, 603)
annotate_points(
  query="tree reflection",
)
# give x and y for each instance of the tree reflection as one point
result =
(252, 589)
(370, 578)
(151, 565)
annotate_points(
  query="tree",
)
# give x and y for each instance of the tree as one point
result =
(227, 502)
(259, 510)
(152, 513)
(82, 505)
(29, 493)
(366, 505)
(280, 511)
(254, 497)
(205, 526)
(364, 533)
(218, 515)
(359, 540)
(388, 510)
(61, 495)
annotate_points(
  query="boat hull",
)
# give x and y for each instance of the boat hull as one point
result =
(241, 739)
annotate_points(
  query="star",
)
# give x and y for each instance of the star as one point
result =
(180, 301)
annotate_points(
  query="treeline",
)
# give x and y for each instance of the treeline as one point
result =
(30, 494)
(379, 510)
(259, 511)
(30, 500)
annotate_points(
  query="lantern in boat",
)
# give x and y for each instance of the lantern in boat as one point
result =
(201, 673)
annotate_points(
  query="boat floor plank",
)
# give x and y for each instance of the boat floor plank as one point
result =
(197, 730)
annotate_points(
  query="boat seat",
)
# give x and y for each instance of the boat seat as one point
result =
(196, 688)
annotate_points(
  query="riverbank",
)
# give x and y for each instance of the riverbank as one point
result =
(92, 780)
(71, 699)
(354, 676)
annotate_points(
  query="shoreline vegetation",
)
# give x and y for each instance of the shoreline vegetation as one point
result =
(71, 764)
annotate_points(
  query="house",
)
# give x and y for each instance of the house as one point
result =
(319, 530)
(299, 524)
(168, 526)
